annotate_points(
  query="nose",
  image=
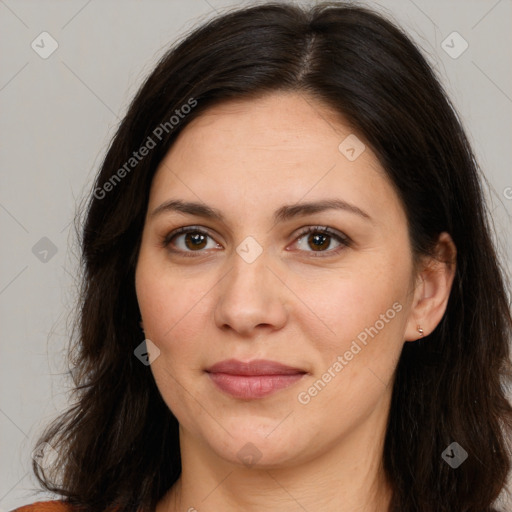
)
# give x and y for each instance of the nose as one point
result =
(252, 298)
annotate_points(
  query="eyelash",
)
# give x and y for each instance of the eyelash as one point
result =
(344, 240)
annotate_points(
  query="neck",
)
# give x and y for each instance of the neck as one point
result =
(347, 477)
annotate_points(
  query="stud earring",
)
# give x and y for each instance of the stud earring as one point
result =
(420, 330)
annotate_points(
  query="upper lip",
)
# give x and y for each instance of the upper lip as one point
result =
(254, 367)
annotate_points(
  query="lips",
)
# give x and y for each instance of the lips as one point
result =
(253, 379)
(255, 367)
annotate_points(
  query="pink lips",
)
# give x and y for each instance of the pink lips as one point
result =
(254, 379)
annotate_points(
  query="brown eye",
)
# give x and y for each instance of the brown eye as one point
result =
(188, 240)
(319, 239)
(195, 240)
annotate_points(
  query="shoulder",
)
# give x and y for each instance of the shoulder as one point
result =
(46, 506)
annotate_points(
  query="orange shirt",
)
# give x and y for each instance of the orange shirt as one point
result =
(46, 506)
(50, 506)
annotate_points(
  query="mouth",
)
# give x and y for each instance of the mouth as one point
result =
(253, 379)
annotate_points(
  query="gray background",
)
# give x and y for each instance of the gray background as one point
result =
(58, 115)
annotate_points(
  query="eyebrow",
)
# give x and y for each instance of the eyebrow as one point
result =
(282, 214)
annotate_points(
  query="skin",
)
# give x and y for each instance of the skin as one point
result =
(247, 159)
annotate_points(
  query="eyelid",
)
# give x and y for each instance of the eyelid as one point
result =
(342, 238)
(325, 230)
(185, 229)
(166, 240)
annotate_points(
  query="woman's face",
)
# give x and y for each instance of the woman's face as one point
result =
(247, 284)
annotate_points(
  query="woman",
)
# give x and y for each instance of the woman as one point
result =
(291, 299)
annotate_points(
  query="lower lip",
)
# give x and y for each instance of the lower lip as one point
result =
(250, 387)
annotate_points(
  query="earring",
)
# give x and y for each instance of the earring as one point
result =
(420, 330)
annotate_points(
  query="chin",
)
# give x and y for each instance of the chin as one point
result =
(257, 449)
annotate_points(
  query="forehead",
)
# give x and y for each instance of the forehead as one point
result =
(285, 125)
(279, 148)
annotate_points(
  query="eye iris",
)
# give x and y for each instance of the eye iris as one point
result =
(319, 241)
(196, 239)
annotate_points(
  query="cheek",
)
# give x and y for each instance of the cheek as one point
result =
(357, 363)
(348, 305)
(166, 301)
(169, 307)
(175, 313)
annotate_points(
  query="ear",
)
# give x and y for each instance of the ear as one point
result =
(432, 291)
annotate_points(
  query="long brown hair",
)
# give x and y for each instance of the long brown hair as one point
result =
(118, 441)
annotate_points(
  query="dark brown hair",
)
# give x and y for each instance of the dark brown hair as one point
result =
(119, 441)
